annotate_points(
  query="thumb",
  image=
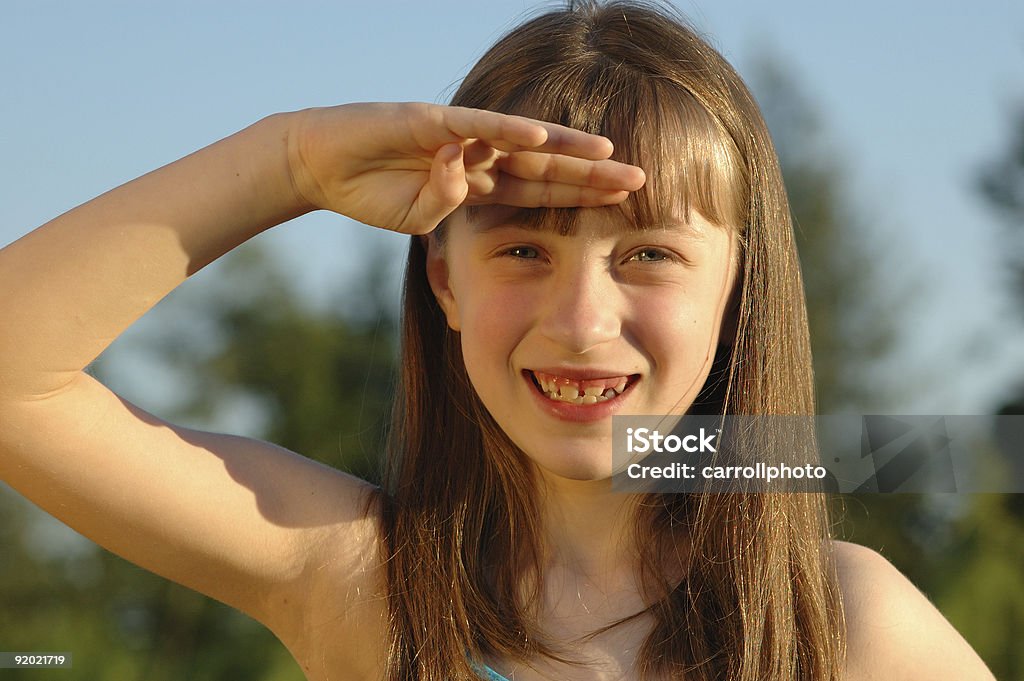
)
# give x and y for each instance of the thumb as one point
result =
(446, 188)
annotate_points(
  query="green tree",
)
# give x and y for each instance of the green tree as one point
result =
(998, 520)
(1000, 182)
(318, 382)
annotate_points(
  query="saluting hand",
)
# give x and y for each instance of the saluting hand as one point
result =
(405, 167)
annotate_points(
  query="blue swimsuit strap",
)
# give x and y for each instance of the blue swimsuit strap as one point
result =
(486, 672)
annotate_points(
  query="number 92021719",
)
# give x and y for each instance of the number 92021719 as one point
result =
(34, 660)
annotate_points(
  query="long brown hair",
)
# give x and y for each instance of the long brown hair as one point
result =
(759, 600)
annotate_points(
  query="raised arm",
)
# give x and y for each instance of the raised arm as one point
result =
(243, 521)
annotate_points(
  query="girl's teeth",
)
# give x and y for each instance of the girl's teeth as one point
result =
(571, 394)
(580, 399)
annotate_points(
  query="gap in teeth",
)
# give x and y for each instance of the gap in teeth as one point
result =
(569, 392)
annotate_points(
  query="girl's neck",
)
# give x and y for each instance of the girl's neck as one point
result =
(589, 542)
(587, 529)
(588, 578)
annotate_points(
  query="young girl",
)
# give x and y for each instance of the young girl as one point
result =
(548, 288)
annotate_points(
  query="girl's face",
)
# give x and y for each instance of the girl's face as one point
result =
(561, 332)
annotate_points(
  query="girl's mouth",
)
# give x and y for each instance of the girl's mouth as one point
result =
(580, 392)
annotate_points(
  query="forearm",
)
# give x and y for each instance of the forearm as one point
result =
(69, 288)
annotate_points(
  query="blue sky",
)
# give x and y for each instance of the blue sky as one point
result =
(913, 100)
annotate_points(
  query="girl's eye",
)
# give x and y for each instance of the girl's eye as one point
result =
(650, 255)
(524, 252)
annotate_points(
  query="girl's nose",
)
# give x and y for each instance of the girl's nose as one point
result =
(581, 312)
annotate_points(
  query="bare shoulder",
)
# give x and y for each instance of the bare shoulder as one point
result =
(894, 632)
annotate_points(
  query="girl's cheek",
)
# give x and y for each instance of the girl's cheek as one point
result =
(502, 312)
(668, 324)
(663, 313)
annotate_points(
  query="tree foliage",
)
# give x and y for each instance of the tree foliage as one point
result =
(1001, 184)
(317, 382)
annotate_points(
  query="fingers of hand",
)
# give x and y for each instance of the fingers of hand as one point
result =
(513, 133)
(444, 191)
(570, 142)
(604, 175)
(480, 155)
(512, 191)
(499, 130)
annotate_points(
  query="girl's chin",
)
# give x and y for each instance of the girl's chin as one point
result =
(584, 469)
